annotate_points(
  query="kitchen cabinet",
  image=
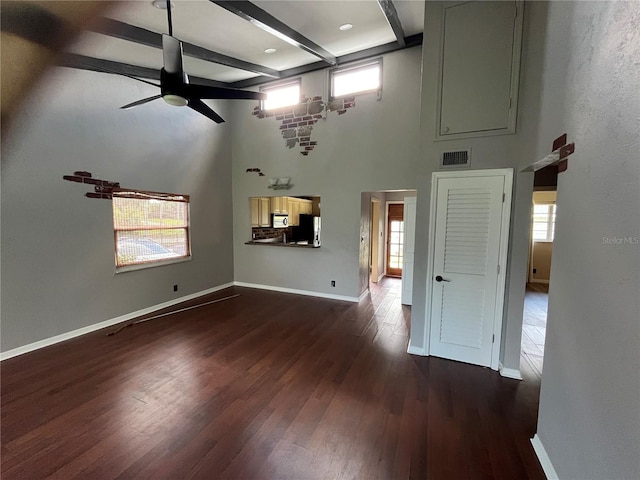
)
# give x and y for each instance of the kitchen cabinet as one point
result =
(297, 207)
(265, 212)
(306, 207)
(294, 213)
(479, 69)
(260, 212)
(280, 205)
(263, 207)
(255, 212)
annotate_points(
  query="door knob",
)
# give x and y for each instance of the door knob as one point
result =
(440, 279)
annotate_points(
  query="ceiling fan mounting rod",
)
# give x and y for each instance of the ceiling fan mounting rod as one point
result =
(169, 17)
(175, 88)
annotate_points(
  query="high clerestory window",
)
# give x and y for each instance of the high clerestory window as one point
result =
(356, 79)
(281, 95)
(150, 229)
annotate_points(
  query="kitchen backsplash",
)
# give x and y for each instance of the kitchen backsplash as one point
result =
(258, 233)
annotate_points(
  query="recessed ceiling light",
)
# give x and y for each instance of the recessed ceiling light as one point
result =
(270, 50)
(345, 26)
(162, 4)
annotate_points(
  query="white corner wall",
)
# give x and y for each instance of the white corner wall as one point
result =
(373, 146)
(58, 272)
(589, 419)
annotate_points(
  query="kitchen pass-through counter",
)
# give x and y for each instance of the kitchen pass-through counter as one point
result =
(279, 242)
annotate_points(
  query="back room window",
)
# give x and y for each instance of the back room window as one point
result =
(361, 78)
(150, 229)
(281, 95)
(544, 222)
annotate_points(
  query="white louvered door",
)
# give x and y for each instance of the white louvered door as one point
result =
(468, 232)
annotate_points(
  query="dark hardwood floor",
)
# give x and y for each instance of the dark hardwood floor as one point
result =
(264, 386)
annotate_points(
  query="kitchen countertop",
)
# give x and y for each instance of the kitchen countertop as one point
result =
(279, 244)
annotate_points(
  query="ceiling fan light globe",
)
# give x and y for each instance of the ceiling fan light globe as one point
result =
(175, 100)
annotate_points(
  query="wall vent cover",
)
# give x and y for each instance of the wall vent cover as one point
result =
(456, 159)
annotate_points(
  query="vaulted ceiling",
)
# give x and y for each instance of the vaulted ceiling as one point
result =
(225, 41)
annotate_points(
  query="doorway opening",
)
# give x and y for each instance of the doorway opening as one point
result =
(387, 241)
(543, 219)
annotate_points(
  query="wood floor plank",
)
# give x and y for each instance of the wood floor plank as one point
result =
(262, 386)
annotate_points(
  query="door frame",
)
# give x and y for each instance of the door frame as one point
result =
(374, 240)
(386, 229)
(406, 296)
(391, 271)
(507, 173)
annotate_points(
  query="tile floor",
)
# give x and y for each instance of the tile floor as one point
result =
(534, 325)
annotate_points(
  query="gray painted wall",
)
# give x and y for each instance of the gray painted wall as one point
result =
(373, 146)
(58, 270)
(504, 151)
(589, 419)
(399, 196)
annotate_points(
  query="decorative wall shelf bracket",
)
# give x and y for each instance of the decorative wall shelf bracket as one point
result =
(558, 156)
(280, 183)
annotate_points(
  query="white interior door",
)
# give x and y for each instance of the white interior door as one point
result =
(409, 248)
(470, 232)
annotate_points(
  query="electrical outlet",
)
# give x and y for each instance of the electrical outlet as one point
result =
(333, 283)
(175, 288)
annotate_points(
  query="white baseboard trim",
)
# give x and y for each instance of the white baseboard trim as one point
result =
(413, 350)
(107, 323)
(543, 458)
(363, 295)
(308, 293)
(509, 372)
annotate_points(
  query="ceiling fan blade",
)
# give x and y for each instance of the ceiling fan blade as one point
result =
(140, 102)
(134, 78)
(200, 107)
(193, 90)
(172, 55)
(104, 69)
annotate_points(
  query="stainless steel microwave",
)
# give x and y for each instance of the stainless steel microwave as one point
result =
(280, 221)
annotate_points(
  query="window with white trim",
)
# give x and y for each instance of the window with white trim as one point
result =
(356, 79)
(281, 95)
(150, 228)
(544, 222)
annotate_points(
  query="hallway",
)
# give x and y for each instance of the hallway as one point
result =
(534, 326)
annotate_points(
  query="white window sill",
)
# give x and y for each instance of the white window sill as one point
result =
(144, 266)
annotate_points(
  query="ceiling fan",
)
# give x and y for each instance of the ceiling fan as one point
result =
(175, 88)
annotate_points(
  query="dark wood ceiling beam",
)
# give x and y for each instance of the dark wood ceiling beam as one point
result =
(261, 19)
(82, 62)
(107, 66)
(411, 41)
(389, 10)
(124, 31)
